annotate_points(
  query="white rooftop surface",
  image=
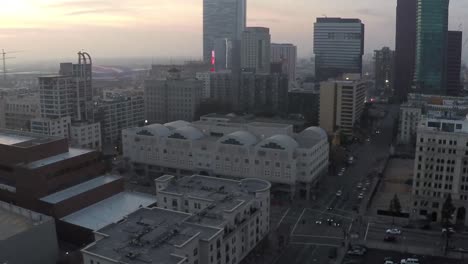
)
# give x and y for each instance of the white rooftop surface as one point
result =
(110, 210)
(79, 189)
(72, 152)
(12, 139)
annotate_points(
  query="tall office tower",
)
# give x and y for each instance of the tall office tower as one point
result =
(405, 47)
(384, 61)
(286, 54)
(338, 47)
(454, 53)
(431, 46)
(256, 49)
(222, 19)
(222, 54)
(57, 96)
(83, 76)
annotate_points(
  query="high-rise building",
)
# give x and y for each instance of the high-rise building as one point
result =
(431, 46)
(57, 96)
(341, 104)
(286, 55)
(338, 47)
(222, 55)
(441, 168)
(454, 53)
(405, 47)
(172, 99)
(222, 19)
(256, 49)
(83, 82)
(384, 60)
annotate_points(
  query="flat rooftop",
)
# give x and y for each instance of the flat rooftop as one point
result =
(226, 195)
(23, 139)
(72, 153)
(79, 189)
(15, 220)
(149, 236)
(110, 210)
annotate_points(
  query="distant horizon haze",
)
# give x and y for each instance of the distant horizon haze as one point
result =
(58, 29)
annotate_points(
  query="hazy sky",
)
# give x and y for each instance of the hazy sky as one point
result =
(59, 28)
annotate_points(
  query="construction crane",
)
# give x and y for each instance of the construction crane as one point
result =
(4, 58)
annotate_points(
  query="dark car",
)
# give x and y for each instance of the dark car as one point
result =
(333, 253)
(390, 238)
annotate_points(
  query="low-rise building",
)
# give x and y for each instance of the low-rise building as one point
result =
(207, 220)
(172, 99)
(226, 147)
(26, 236)
(17, 111)
(86, 135)
(57, 127)
(441, 167)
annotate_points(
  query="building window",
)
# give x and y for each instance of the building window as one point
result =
(195, 251)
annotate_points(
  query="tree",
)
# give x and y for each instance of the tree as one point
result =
(447, 211)
(395, 207)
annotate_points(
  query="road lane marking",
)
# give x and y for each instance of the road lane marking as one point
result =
(367, 231)
(297, 222)
(329, 213)
(314, 244)
(312, 236)
(282, 218)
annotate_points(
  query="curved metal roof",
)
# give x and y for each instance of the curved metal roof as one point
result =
(157, 130)
(315, 132)
(283, 141)
(244, 138)
(177, 124)
(187, 132)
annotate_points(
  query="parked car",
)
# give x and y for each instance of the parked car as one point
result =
(390, 238)
(339, 193)
(409, 261)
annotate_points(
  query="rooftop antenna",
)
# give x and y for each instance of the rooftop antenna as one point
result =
(4, 58)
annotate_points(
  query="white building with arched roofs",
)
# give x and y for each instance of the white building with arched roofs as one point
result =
(294, 163)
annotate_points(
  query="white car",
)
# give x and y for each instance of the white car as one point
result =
(339, 193)
(389, 262)
(318, 222)
(360, 197)
(340, 173)
(359, 186)
(393, 231)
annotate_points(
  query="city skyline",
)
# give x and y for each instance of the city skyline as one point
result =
(175, 28)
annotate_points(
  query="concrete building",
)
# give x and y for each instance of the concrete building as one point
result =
(256, 50)
(223, 49)
(441, 168)
(205, 77)
(57, 95)
(117, 113)
(305, 103)
(26, 236)
(419, 105)
(229, 147)
(59, 126)
(17, 110)
(222, 19)
(86, 135)
(342, 104)
(172, 99)
(384, 60)
(286, 54)
(338, 47)
(208, 220)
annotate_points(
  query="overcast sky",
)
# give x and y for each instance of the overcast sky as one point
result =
(166, 28)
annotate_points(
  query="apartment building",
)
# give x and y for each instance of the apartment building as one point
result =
(200, 219)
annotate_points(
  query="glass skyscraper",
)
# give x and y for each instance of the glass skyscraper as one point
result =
(222, 19)
(338, 47)
(431, 46)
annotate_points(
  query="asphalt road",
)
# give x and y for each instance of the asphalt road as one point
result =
(309, 242)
